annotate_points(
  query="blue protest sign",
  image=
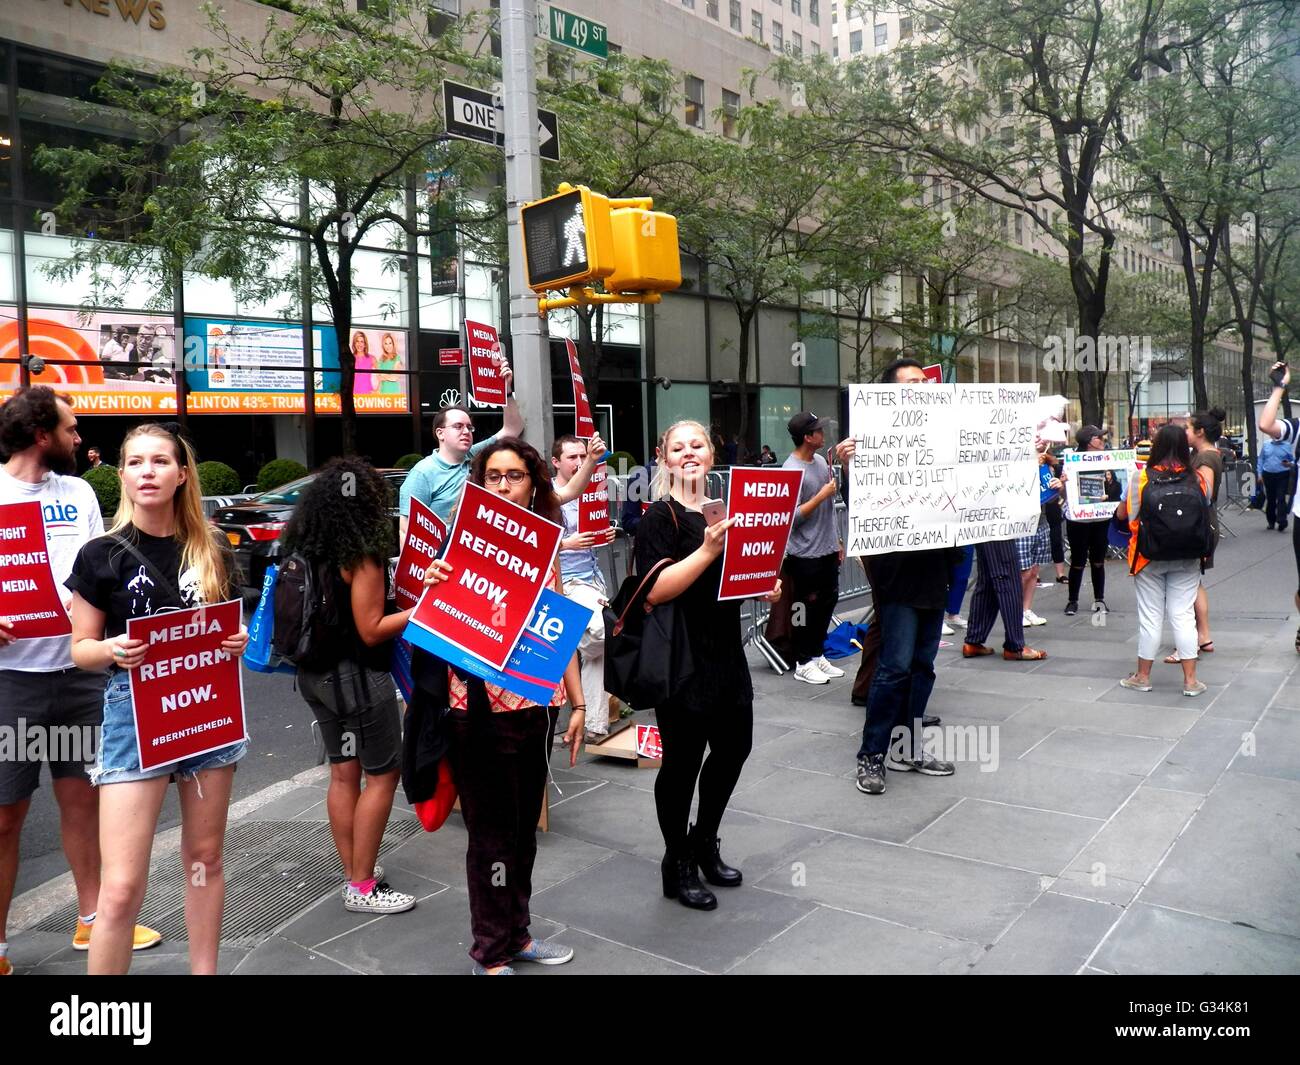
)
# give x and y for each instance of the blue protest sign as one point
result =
(536, 664)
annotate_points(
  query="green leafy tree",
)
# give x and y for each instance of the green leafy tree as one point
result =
(317, 131)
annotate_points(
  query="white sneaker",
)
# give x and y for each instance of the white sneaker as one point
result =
(1030, 618)
(827, 668)
(382, 899)
(810, 674)
(955, 619)
(947, 629)
(379, 877)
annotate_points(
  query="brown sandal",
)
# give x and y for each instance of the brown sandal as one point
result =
(978, 650)
(1025, 654)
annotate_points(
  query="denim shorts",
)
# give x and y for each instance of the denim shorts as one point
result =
(118, 761)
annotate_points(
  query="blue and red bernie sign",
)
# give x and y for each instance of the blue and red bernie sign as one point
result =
(536, 665)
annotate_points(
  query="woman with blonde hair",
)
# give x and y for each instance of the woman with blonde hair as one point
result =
(390, 381)
(714, 709)
(160, 555)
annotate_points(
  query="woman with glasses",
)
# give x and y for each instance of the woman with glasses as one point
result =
(500, 747)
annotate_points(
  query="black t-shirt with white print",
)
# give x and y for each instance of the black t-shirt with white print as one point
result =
(110, 578)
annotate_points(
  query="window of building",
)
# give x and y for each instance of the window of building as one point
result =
(694, 102)
(1007, 134)
(814, 15)
(778, 38)
(816, 48)
(1007, 103)
(1020, 228)
(730, 110)
(835, 48)
(442, 15)
(690, 4)
(796, 43)
(855, 42)
(882, 34)
(711, 9)
(904, 29)
(796, 7)
(735, 15)
(756, 25)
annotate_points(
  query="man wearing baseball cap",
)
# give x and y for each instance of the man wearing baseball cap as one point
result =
(813, 557)
(1085, 436)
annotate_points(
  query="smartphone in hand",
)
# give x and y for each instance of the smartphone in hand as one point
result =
(714, 511)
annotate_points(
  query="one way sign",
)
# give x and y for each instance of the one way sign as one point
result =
(472, 115)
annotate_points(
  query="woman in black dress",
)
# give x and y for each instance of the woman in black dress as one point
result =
(715, 707)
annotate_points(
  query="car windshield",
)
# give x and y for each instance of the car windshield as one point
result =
(286, 493)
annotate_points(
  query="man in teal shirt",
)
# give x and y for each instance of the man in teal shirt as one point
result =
(437, 481)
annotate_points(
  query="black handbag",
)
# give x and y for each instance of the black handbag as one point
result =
(647, 653)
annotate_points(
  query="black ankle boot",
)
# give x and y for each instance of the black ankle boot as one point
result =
(682, 882)
(715, 870)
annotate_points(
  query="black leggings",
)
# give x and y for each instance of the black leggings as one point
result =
(1055, 519)
(728, 732)
(1089, 541)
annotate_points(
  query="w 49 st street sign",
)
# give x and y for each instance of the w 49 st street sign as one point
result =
(573, 31)
(472, 115)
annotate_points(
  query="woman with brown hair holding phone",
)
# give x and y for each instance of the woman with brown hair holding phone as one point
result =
(500, 748)
(715, 707)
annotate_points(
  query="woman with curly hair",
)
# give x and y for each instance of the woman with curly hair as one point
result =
(342, 528)
(500, 744)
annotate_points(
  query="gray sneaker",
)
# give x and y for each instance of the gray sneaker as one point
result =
(478, 970)
(871, 774)
(926, 765)
(543, 953)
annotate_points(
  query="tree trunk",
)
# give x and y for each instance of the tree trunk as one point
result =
(341, 310)
(1090, 304)
(746, 317)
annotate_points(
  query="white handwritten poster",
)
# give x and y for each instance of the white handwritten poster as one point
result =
(941, 465)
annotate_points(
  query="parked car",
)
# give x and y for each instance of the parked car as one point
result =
(253, 527)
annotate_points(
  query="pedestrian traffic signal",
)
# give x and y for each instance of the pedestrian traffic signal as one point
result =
(567, 238)
(646, 258)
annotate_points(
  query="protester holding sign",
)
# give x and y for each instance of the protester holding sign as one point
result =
(1088, 537)
(160, 555)
(341, 529)
(38, 682)
(909, 591)
(500, 746)
(584, 583)
(714, 708)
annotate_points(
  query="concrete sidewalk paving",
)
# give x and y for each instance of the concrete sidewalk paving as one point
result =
(1120, 832)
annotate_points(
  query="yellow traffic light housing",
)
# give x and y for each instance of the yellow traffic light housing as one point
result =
(646, 257)
(567, 238)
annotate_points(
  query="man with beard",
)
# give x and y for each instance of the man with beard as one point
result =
(38, 682)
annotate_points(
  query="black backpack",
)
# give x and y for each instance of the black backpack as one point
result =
(1174, 518)
(306, 612)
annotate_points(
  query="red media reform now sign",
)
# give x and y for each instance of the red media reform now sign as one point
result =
(187, 694)
(29, 597)
(593, 504)
(763, 502)
(485, 362)
(585, 427)
(425, 535)
(501, 557)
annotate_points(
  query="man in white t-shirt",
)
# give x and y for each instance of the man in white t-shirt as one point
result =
(1287, 430)
(42, 694)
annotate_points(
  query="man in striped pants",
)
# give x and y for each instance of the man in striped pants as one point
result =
(998, 590)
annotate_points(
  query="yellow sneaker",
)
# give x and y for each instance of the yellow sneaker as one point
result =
(144, 937)
(6, 967)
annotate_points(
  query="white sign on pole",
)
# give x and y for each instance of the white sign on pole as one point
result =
(941, 465)
(999, 495)
(1096, 482)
